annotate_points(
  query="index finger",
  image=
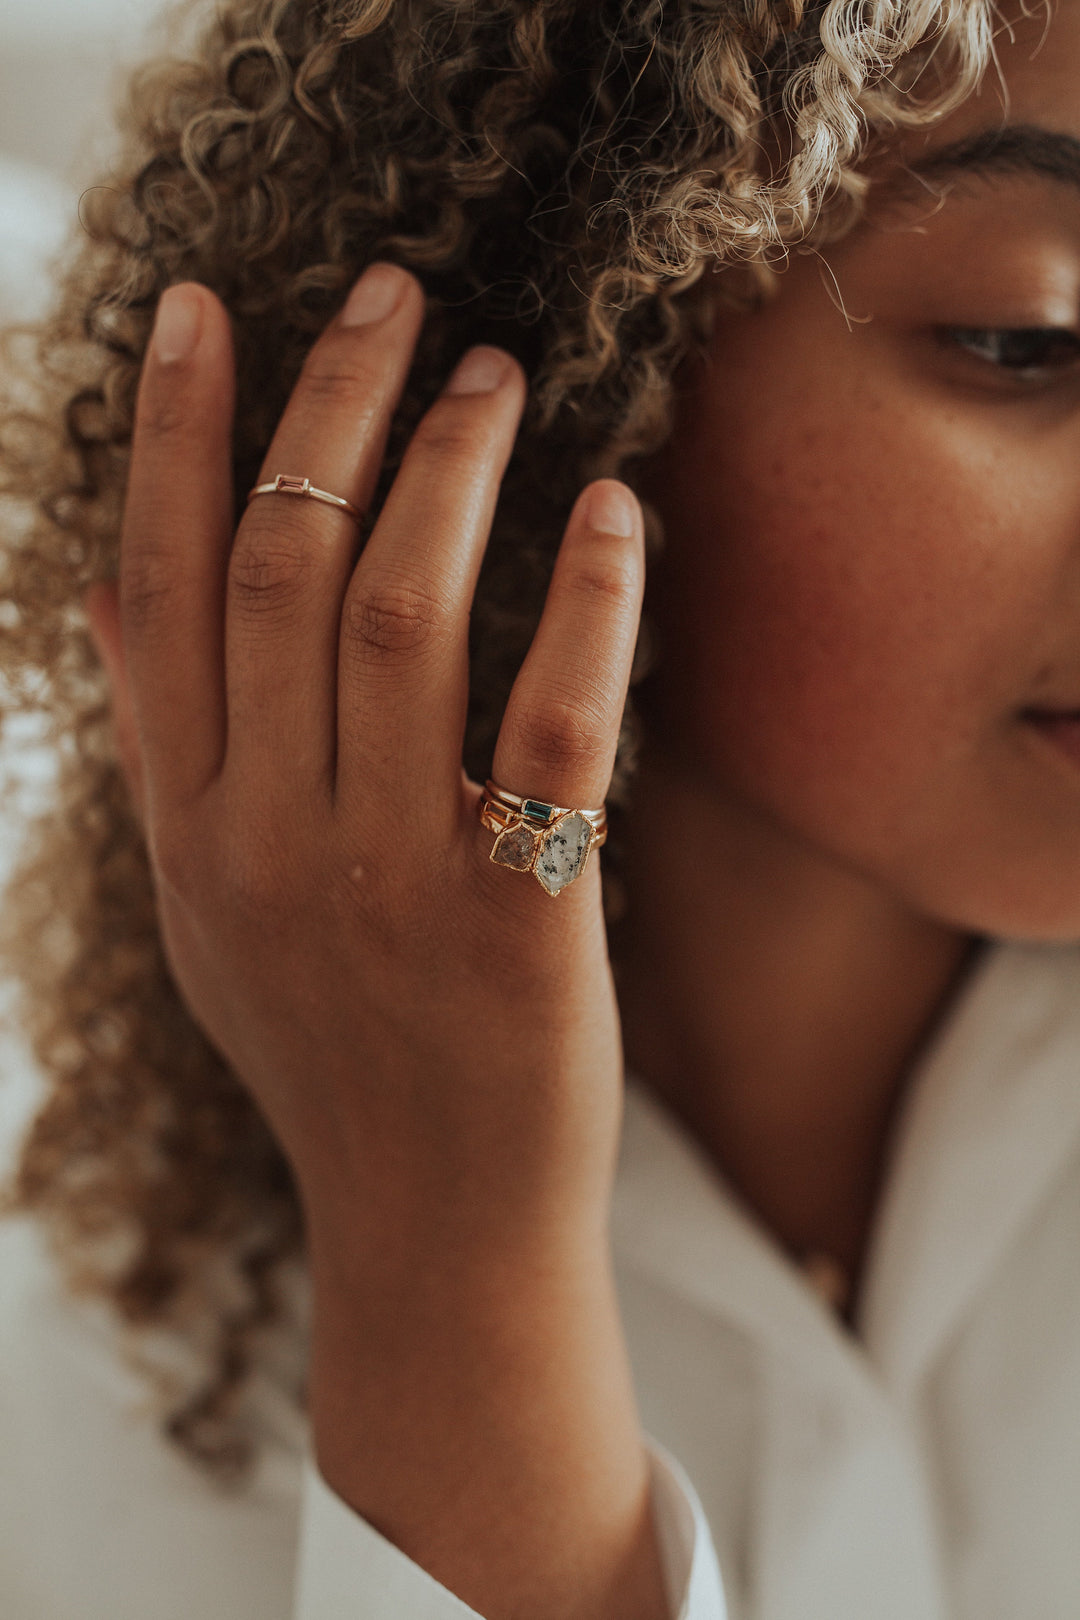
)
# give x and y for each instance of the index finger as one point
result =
(175, 541)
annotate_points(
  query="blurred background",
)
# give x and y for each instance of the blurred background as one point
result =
(61, 65)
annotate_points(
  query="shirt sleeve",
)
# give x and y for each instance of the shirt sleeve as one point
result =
(346, 1570)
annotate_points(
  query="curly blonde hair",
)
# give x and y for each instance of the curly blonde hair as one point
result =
(560, 175)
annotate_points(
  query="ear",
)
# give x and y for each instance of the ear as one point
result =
(101, 602)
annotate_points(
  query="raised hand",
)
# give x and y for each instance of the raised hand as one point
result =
(433, 1039)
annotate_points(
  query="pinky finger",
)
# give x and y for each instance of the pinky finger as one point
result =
(559, 733)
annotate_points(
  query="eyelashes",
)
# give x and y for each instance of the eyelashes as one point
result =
(1021, 350)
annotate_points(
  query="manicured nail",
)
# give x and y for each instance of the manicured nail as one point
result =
(176, 325)
(611, 509)
(375, 296)
(481, 372)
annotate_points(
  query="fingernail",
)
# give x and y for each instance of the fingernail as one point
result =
(176, 325)
(611, 509)
(375, 296)
(481, 372)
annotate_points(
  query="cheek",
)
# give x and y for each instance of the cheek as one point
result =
(853, 625)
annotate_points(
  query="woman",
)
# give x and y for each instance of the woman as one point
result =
(792, 280)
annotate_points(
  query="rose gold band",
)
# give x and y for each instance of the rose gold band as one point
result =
(293, 484)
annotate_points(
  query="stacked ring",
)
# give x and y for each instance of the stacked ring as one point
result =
(551, 841)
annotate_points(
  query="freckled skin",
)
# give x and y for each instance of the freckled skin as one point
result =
(873, 553)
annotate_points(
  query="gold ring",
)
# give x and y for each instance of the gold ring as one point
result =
(291, 484)
(552, 841)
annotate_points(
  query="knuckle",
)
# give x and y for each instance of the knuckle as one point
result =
(334, 379)
(165, 415)
(147, 583)
(254, 878)
(559, 734)
(454, 439)
(239, 863)
(604, 576)
(389, 620)
(269, 573)
(402, 916)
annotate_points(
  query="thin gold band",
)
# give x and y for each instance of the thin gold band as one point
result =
(293, 484)
(537, 809)
(500, 809)
(497, 820)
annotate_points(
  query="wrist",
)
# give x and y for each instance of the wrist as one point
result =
(489, 1431)
(402, 1240)
(389, 1302)
(447, 1356)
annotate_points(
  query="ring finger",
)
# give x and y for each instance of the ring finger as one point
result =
(559, 734)
(292, 556)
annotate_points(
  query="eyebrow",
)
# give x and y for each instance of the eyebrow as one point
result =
(1013, 149)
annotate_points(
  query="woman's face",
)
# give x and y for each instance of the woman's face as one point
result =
(870, 600)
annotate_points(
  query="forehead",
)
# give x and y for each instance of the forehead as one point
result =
(1034, 83)
(1023, 123)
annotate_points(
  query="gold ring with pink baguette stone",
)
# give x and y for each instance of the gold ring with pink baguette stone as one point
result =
(297, 484)
(552, 841)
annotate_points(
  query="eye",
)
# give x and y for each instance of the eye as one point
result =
(1020, 349)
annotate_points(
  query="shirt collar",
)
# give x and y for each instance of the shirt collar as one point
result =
(990, 1117)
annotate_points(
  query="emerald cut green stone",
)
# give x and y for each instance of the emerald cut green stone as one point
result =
(537, 811)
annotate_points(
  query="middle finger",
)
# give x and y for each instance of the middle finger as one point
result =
(403, 657)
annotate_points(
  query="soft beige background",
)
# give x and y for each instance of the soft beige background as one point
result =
(61, 63)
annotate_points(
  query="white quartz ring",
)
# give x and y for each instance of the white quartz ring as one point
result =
(551, 841)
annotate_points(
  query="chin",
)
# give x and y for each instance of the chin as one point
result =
(1030, 915)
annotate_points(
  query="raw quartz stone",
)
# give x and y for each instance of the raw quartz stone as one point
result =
(562, 851)
(514, 847)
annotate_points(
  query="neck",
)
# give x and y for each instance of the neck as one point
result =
(776, 1002)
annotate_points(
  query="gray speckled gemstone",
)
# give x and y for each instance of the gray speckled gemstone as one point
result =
(562, 851)
(514, 848)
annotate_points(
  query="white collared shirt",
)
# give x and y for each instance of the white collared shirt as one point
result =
(924, 1467)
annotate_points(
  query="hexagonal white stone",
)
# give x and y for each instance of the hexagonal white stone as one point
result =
(563, 849)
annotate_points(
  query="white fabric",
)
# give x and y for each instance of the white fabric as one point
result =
(926, 1467)
(338, 1543)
